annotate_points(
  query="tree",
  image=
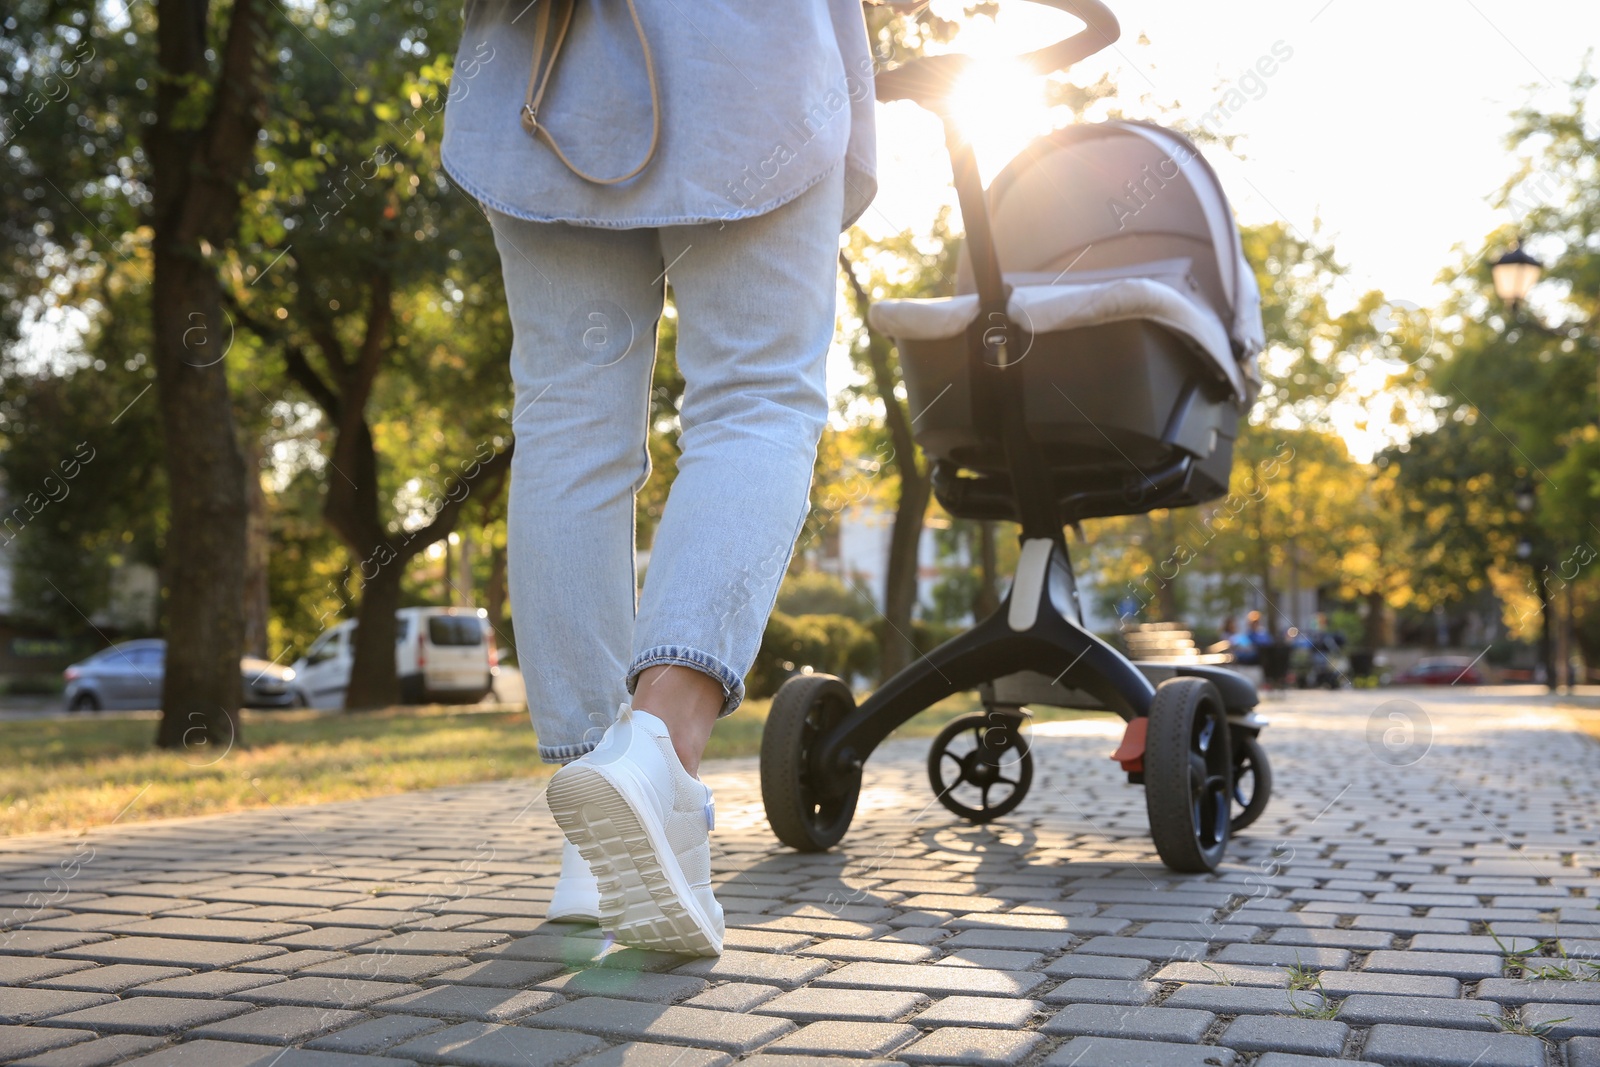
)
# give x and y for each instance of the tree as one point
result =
(105, 137)
(394, 285)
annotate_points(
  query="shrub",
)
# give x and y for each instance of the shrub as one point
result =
(828, 644)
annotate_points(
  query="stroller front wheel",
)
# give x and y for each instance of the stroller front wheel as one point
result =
(1188, 775)
(980, 766)
(805, 815)
(1252, 780)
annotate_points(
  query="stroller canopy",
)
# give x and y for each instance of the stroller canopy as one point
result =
(1108, 222)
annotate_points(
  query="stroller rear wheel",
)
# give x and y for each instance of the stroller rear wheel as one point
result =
(1188, 775)
(806, 815)
(1252, 780)
(980, 766)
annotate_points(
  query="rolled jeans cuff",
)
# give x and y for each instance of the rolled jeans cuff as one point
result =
(566, 753)
(683, 656)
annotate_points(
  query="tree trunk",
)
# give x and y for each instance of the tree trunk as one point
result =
(373, 681)
(196, 171)
(200, 689)
(900, 582)
(916, 488)
(257, 552)
(987, 601)
(1375, 635)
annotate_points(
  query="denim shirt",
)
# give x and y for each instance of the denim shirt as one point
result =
(760, 100)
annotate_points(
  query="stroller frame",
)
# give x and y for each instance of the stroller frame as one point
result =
(1180, 717)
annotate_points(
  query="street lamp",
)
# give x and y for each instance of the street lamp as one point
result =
(1525, 495)
(1515, 274)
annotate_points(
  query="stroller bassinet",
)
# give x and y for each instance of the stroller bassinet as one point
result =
(1139, 325)
(1095, 361)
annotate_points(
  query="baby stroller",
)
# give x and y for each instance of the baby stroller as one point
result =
(1098, 357)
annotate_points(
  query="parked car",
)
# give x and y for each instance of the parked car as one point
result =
(441, 655)
(1444, 670)
(128, 675)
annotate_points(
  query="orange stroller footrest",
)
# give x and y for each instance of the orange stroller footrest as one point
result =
(1131, 752)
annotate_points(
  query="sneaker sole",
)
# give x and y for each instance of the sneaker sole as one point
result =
(644, 900)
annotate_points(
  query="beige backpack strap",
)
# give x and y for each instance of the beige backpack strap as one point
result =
(549, 34)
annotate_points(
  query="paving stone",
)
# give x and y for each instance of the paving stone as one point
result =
(30, 1005)
(1367, 1009)
(861, 1005)
(375, 1034)
(482, 1003)
(767, 968)
(112, 979)
(1119, 1052)
(1419, 1046)
(1583, 1052)
(1463, 965)
(335, 939)
(838, 1037)
(290, 961)
(634, 1021)
(383, 967)
(151, 1015)
(1076, 966)
(1223, 974)
(1244, 1000)
(879, 951)
(211, 929)
(207, 984)
(1560, 1021)
(1535, 991)
(20, 970)
(282, 1025)
(970, 1045)
(1343, 983)
(933, 980)
(172, 952)
(991, 958)
(626, 985)
(41, 942)
(1260, 1033)
(1018, 940)
(495, 1045)
(18, 1042)
(97, 1053)
(734, 996)
(1360, 940)
(434, 942)
(641, 1054)
(515, 974)
(326, 992)
(989, 1012)
(1149, 948)
(1102, 991)
(1109, 1020)
(765, 940)
(211, 1053)
(1285, 956)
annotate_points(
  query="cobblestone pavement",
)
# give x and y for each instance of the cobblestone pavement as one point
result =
(1379, 912)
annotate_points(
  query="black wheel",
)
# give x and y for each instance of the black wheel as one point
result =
(1252, 780)
(806, 815)
(980, 766)
(85, 702)
(1188, 774)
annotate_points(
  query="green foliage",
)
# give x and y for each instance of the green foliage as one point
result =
(810, 592)
(828, 644)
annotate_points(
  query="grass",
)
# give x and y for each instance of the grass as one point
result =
(74, 774)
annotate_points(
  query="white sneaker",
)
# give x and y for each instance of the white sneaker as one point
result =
(642, 823)
(577, 894)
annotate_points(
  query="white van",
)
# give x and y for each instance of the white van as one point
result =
(441, 655)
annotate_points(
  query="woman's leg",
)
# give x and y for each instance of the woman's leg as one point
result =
(755, 300)
(584, 305)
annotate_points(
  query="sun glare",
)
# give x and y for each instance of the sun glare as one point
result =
(998, 106)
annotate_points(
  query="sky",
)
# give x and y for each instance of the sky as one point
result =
(1387, 122)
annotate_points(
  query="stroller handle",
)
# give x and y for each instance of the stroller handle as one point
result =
(927, 80)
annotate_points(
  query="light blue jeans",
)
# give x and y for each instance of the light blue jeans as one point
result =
(755, 304)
